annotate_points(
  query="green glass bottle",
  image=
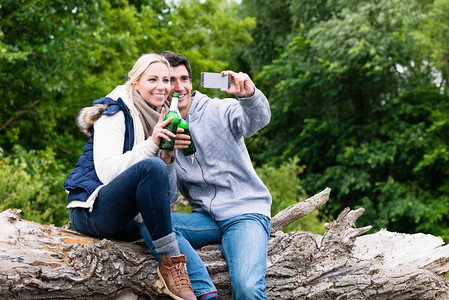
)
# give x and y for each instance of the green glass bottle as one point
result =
(172, 126)
(191, 149)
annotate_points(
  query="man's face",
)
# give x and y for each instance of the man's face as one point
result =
(181, 84)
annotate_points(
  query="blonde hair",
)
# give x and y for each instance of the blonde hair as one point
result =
(139, 67)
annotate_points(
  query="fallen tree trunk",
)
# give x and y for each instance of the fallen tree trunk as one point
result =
(46, 262)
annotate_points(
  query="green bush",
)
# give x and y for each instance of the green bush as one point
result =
(32, 181)
(286, 190)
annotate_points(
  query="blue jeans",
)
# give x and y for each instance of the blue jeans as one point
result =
(244, 242)
(142, 188)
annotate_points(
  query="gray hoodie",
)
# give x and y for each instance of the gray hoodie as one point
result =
(219, 179)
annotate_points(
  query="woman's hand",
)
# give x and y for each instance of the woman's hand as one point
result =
(159, 131)
(167, 156)
(181, 140)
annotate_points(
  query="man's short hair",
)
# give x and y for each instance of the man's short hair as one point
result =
(176, 59)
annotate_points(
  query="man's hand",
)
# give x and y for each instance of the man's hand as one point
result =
(241, 85)
(182, 140)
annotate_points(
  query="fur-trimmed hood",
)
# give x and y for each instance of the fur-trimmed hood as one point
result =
(89, 115)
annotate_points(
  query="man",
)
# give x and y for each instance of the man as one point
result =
(230, 203)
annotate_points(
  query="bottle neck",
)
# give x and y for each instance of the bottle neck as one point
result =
(174, 104)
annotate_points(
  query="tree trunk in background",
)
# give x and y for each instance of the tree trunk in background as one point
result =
(45, 262)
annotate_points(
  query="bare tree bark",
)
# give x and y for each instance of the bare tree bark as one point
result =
(296, 211)
(46, 262)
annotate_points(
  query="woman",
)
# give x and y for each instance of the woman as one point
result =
(119, 179)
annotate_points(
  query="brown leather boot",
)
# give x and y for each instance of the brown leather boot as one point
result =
(173, 273)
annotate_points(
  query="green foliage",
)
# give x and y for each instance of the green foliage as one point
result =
(62, 56)
(56, 57)
(354, 98)
(283, 183)
(65, 54)
(393, 162)
(285, 188)
(355, 76)
(432, 39)
(270, 34)
(358, 92)
(31, 181)
(205, 32)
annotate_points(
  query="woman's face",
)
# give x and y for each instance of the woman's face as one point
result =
(154, 84)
